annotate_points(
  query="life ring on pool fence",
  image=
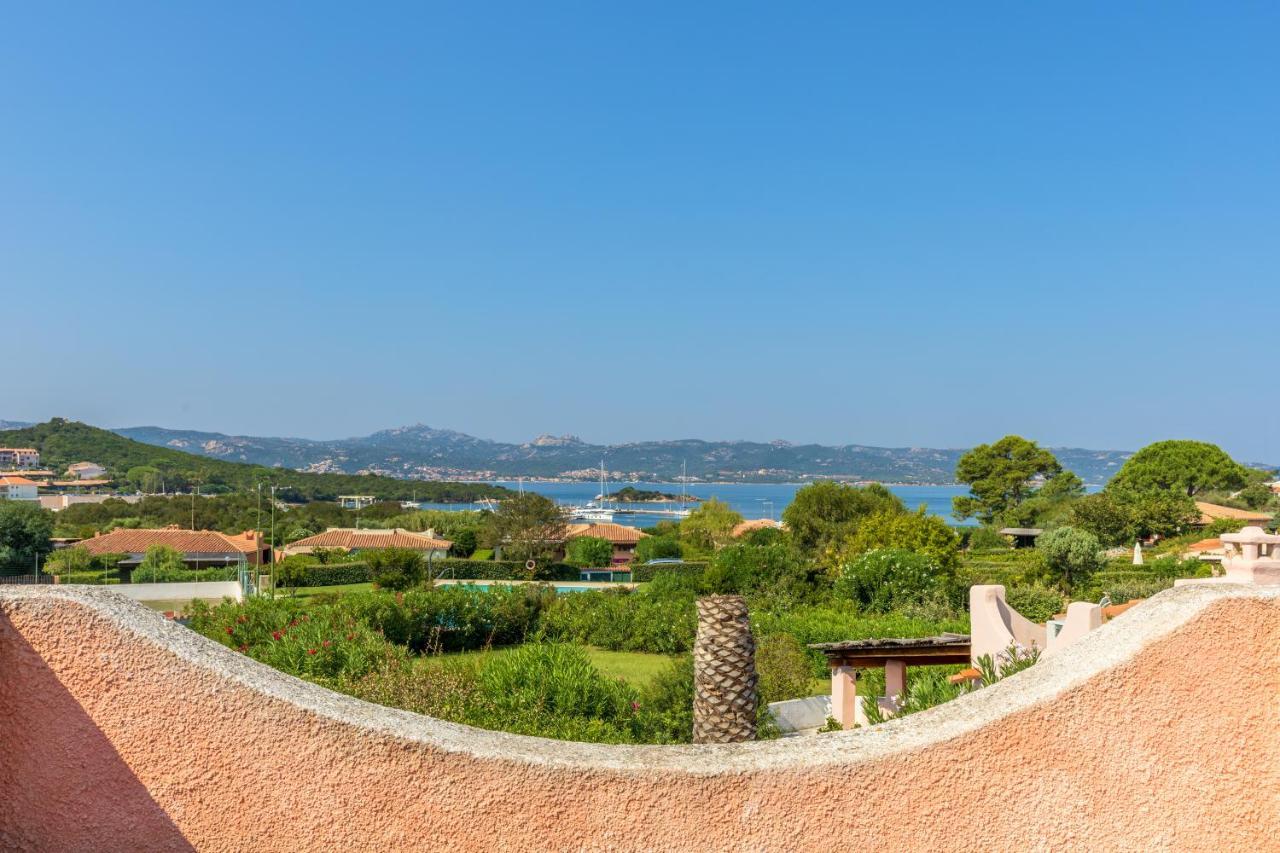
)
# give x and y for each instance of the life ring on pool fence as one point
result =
(531, 564)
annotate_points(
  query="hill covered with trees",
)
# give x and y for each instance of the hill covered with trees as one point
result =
(149, 468)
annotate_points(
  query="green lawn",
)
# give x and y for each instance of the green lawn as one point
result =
(305, 592)
(637, 668)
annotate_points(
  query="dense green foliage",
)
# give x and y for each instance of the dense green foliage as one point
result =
(892, 579)
(827, 512)
(709, 526)
(1190, 467)
(1001, 476)
(1119, 517)
(395, 568)
(665, 547)
(25, 531)
(526, 527)
(589, 552)
(913, 531)
(1070, 555)
(144, 466)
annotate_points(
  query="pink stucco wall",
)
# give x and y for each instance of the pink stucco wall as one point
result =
(1159, 731)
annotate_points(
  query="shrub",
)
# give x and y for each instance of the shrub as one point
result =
(464, 544)
(501, 570)
(783, 667)
(884, 580)
(589, 552)
(1036, 602)
(641, 573)
(747, 568)
(987, 539)
(323, 644)
(395, 568)
(658, 548)
(662, 620)
(907, 531)
(1070, 555)
(336, 574)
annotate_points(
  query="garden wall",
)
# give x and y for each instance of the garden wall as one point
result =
(120, 730)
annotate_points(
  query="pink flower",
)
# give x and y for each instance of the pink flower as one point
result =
(230, 630)
(326, 644)
(635, 706)
(275, 635)
(311, 651)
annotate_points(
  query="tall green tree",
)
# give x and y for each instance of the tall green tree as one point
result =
(826, 512)
(1001, 476)
(526, 527)
(709, 526)
(1189, 467)
(25, 535)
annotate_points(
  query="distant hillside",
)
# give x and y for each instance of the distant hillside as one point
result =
(421, 452)
(62, 442)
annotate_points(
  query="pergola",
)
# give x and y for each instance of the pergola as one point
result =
(891, 654)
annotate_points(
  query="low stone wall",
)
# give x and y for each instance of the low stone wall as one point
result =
(119, 730)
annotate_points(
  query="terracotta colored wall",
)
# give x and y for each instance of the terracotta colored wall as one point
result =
(1160, 731)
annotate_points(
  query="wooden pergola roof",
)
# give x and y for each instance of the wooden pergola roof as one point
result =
(917, 651)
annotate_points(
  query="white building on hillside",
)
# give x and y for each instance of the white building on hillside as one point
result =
(86, 471)
(16, 488)
(19, 457)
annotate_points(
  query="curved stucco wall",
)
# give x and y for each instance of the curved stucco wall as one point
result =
(119, 730)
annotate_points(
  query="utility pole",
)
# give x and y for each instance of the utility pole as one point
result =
(272, 572)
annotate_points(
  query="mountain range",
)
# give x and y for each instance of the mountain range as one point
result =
(422, 452)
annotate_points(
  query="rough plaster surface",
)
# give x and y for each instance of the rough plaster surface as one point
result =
(119, 730)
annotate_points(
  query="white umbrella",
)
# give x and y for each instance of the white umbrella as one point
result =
(1137, 553)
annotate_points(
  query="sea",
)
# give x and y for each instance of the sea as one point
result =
(751, 500)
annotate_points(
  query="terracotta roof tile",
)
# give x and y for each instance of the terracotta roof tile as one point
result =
(350, 539)
(1211, 512)
(618, 534)
(14, 480)
(125, 541)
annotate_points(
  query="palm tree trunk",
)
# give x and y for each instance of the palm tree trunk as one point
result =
(724, 672)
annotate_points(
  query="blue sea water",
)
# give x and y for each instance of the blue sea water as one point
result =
(752, 500)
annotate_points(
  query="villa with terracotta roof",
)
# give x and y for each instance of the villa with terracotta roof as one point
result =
(200, 549)
(15, 488)
(1209, 513)
(624, 539)
(746, 527)
(354, 541)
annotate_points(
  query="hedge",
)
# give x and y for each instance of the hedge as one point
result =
(335, 574)
(643, 572)
(501, 570)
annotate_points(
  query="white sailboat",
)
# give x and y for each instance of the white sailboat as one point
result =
(594, 510)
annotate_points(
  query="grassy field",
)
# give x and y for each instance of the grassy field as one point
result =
(636, 668)
(305, 592)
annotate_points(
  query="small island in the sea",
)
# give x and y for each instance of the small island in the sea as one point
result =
(632, 495)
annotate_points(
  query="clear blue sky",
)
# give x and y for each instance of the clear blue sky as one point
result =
(901, 225)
